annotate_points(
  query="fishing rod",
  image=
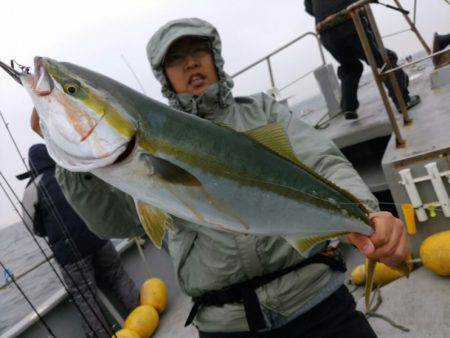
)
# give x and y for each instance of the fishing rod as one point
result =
(48, 259)
(41, 319)
(401, 10)
(134, 74)
(63, 227)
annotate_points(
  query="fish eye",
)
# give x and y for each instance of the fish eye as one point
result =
(72, 88)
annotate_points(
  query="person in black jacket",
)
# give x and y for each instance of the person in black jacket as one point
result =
(440, 42)
(343, 43)
(88, 259)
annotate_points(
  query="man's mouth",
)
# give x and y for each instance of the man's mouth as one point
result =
(196, 80)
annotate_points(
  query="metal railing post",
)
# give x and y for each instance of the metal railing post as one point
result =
(391, 76)
(413, 27)
(371, 59)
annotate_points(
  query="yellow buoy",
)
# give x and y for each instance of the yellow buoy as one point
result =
(154, 293)
(143, 320)
(358, 275)
(435, 253)
(125, 333)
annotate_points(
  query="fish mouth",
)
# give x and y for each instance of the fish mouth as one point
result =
(128, 150)
(42, 82)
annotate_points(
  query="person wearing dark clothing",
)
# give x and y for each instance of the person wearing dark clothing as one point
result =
(343, 43)
(88, 259)
(440, 42)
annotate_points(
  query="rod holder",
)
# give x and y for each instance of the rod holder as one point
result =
(439, 187)
(413, 194)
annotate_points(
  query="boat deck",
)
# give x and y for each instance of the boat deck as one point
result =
(429, 132)
(364, 140)
(373, 122)
(419, 303)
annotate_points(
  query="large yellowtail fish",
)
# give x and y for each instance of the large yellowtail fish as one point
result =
(173, 163)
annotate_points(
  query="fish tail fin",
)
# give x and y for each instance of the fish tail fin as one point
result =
(403, 267)
(370, 273)
(303, 244)
(154, 221)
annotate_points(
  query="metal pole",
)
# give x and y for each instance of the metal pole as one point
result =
(413, 28)
(416, 61)
(371, 59)
(391, 76)
(272, 82)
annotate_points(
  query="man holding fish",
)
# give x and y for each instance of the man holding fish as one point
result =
(248, 237)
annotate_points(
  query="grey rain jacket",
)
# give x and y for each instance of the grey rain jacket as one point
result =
(207, 259)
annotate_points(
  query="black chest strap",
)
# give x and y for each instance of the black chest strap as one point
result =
(244, 292)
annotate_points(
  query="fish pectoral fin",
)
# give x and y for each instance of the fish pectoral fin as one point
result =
(154, 221)
(274, 137)
(170, 172)
(303, 244)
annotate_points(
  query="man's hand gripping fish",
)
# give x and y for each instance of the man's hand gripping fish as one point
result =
(173, 163)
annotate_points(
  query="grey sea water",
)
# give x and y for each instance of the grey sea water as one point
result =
(18, 252)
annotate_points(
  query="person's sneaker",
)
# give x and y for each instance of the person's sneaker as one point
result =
(413, 101)
(351, 115)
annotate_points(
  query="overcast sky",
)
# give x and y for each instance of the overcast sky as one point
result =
(96, 33)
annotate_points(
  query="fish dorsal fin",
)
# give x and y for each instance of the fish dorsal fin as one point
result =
(274, 137)
(154, 221)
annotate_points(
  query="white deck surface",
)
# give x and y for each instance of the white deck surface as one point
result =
(420, 303)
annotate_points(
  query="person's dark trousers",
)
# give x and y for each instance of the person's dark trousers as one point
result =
(444, 41)
(343, 43)
(105, 268)
(335, 317)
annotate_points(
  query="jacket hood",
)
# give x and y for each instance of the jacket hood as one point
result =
(217, 95)
(39, 159)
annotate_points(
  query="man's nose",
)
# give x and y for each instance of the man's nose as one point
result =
(191, 62)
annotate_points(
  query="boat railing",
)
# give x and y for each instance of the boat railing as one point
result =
(268, 57)
(409, 28)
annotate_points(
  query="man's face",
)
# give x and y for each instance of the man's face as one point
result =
(189, 66)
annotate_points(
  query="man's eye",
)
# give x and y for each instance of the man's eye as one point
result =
(173, 58)
(200, 50)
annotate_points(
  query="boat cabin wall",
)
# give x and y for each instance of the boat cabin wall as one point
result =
(425, 190)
